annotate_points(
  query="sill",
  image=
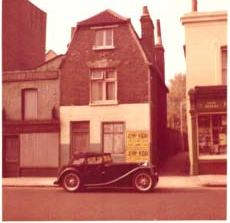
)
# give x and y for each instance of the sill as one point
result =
(108, 102)
(213, 157)
(103, 47)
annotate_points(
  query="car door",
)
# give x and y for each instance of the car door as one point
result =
(94, 170)
(116, 171)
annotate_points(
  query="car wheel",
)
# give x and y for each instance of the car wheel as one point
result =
(71, 182)
(143, 181)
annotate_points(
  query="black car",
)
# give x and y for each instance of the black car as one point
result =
(97, 170)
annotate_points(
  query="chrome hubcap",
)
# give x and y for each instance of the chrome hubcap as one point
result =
(71, 182)
(143, 182)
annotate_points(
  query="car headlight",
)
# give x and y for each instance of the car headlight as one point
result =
(145, 163)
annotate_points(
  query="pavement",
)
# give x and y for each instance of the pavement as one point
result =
(174, 174)
(164, 181)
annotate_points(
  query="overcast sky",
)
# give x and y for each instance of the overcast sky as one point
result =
(64, 14)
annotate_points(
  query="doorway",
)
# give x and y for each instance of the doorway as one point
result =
(79, 137)
(11, 156)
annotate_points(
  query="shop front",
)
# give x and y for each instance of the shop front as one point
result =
(208, 109)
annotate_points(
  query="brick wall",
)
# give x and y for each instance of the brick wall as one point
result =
(23, 35)
(132, 70)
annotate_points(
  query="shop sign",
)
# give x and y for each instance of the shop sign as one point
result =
(137, 146)
(212, 105)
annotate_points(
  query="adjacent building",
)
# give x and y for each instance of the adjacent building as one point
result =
(23, 35)
(31, 94)
(31, 123)
(206, 83)
(113, 93)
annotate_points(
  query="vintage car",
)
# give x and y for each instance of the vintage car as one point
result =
(87, 170)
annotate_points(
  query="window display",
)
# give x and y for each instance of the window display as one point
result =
(212, 134)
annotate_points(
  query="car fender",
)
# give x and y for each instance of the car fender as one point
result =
(64, 172)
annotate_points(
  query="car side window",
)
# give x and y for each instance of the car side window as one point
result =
(94, 160)
(78, 161)
(107, 159)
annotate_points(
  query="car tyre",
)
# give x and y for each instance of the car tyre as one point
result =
(143, 181)
(71, 182)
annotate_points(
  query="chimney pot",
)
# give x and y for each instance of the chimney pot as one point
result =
(194, 5)
(145, 10)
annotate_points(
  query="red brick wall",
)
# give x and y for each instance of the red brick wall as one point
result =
(132, 71)
(23, 35)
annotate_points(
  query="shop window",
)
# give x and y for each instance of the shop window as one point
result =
(224, 64)
(103, 86)
(113, 138)
(104, 39)
(212, 134)
(29, 104)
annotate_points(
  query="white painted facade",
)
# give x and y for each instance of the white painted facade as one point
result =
(135, 116)
(205, 34)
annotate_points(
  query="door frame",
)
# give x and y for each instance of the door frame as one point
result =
(71, 134)
(4, 154)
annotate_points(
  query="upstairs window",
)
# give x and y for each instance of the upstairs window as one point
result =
(29, 104)
(104, 39)
(224, 64)
(103, 86)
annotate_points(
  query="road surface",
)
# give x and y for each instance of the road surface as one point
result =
(21, 203)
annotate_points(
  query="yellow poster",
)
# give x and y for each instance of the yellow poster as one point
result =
(137, 146)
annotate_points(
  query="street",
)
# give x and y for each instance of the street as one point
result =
(42, 203)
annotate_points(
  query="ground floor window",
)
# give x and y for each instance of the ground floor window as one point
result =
(114, 137)
(212, 134)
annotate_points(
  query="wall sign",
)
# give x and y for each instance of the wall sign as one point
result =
(137, 146)
(212, 105)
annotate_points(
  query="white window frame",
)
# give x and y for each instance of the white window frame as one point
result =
(104, 38)
(113, 133)
(104, 80)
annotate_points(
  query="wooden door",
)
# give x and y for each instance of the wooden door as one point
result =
(11, 156)
(79, 137)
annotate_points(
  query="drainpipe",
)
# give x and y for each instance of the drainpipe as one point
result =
(150, 116)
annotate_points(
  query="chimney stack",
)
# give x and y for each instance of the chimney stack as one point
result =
(159, 52)
(194, 5)
(147, 34)
(159, 40)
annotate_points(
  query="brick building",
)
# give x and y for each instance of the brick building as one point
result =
(23, 35)
(113, 93)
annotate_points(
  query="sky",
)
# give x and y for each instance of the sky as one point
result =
(64, 14)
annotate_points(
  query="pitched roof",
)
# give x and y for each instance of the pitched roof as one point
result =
(106, 17)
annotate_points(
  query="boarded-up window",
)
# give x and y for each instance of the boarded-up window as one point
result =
(113, 138)
(30, 104)
(39, 149)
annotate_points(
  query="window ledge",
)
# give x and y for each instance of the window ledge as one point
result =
(103, 47)
(213, 157)
(99, 103)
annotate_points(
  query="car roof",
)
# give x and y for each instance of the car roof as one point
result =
(88, 154)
